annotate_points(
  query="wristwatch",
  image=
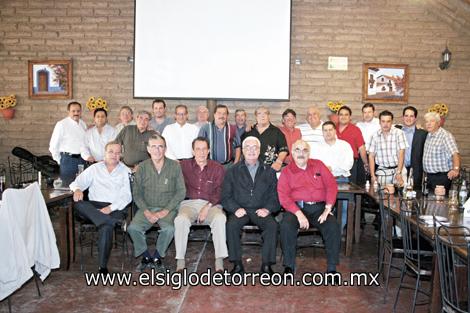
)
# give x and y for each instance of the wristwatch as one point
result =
(456, 168)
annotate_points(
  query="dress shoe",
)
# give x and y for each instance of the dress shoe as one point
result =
(237, 268)
(103, 270)
(288, 270)
(145, 263)
(334, 279)
(157, 264)
(265, 268)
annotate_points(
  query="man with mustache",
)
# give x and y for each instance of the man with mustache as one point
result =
(223, 138)
(67, 138)
(307, 191)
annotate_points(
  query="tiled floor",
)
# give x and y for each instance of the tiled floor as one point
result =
(66, 291)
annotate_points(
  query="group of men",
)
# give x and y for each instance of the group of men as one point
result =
(225, 176)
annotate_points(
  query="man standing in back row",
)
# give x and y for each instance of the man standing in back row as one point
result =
(67, 138)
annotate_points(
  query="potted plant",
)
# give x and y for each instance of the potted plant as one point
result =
(334, 108)
(6, 106)
(441, 109)
(95, 103)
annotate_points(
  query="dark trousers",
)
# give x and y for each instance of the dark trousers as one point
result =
(329, 230)
(105, 223)
(69, 168)
(438, 179)
(269, 228)
(358, 173)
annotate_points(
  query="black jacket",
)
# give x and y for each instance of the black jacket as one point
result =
(239, 191)
(417, 148)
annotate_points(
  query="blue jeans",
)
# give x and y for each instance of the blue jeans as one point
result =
(69, 168)
(344, 211)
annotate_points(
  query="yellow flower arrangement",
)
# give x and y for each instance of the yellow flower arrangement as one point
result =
(335, 106)
(7, 102)
(439, 108)
(97, 103)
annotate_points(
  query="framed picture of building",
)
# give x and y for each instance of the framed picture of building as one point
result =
(50, 79)
(385, 83)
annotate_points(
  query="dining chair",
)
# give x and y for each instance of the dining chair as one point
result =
(455, 294)
(418, 257)
(390, 244)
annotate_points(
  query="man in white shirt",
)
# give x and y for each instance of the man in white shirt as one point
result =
(159, 120)
(67, 138)
(97, 137)
(338, 156)
(126, 117)
(202, 116)
(369, 124)
(180, 135)
(312, 131)
(109, 194)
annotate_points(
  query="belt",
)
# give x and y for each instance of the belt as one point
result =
(387, 167)
(301, 203)
(225, 163)
(436, 174)
(75, 156)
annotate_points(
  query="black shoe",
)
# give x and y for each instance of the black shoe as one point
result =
(333, 280)
(157, 264)
(265, 268)
(103, 270)
(237, 268)
(288, 270)
(146, 262)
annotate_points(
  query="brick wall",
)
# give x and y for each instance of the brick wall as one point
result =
(98, 36)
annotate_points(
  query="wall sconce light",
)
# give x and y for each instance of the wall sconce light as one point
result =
(446, 55)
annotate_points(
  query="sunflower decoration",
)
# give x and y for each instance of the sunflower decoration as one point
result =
(335, 106)
(7, 102)
(439, 108)
(96, 103)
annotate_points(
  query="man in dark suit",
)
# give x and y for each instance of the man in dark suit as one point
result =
(249, 194)
(416, 138)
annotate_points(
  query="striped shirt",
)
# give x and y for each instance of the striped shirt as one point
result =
(438, 150)
(314, 138)
(386, 148)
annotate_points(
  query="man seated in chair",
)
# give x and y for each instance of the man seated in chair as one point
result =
(249, 195)
(307, 191)
(158, 191)
(109, 193)
(203, 179)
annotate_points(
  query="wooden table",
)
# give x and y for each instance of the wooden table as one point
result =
(62, 201)
(353, 193)
(430, 206)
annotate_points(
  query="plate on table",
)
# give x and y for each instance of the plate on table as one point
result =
(429, 219)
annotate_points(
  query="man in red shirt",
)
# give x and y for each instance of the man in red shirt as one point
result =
(292, 133)
(307, 191)
(350, 133)
(203, 179)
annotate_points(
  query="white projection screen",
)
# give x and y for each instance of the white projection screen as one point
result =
(212, 49)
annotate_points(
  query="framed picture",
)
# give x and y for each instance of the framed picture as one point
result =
(385, 83)
(50, 79)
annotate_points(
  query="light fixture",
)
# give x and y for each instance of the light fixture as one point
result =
(446, 55)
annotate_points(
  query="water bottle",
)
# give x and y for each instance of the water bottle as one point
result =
(425, 189)
(2, 185)
(376, 186)
(463, 193)
(367, 185)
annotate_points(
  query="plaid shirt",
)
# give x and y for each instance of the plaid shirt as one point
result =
(438, 150)
(386, 148)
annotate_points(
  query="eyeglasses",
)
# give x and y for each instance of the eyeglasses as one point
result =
(301, 151)
(251, 148)
(156, 147)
